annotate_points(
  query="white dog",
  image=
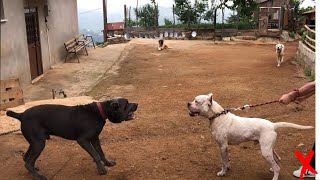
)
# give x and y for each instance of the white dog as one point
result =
(279, 53)
(228, 128)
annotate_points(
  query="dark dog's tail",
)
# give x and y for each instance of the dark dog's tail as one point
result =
(15, 115)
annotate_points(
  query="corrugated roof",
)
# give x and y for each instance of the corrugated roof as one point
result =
(115, 26)
(311, 11)
(260, 1)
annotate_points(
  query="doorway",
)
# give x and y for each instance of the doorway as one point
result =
(33, 39)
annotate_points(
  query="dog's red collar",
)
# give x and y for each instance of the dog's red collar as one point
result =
(103, 115)
(219, 114)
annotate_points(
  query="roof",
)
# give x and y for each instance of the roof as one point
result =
(115, 26)
(312, 11)
(260, 1)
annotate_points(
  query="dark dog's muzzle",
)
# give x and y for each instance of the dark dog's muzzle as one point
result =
(132, 108)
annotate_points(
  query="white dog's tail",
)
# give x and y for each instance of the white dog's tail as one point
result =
(291, 125)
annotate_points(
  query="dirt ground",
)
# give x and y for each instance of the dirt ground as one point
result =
(75, 78)
(164, 142)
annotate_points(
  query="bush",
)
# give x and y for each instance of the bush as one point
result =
(292, 34)
(309, 73)
(301, 31)
(167, 22)
(244, 22)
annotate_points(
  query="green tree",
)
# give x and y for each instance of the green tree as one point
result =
(241, 22)
(200, 7)
(185, 12)
(246, 7)
(211, 13)
(190, 13)
(155, 12)
(296, 13)
(167, 22)
(245, 10)
(131, 23)
(147, 15)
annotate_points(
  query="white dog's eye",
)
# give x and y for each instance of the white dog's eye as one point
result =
(199, 102)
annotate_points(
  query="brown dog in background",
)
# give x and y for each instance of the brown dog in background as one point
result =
(161, 45)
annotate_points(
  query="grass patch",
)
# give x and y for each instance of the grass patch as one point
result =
(309, 73)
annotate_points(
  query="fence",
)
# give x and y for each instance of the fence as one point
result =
(306, 51)
(309, 38)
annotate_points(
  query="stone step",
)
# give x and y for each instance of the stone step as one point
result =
(246, 37)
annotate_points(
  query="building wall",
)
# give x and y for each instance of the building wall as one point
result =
(272, 3)
(62, 25)
(14, 51)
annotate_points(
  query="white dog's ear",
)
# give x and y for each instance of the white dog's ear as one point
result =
(210, 98)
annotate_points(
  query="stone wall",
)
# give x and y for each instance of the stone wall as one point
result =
(201, 32)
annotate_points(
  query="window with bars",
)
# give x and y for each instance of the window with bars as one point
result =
(3, 19)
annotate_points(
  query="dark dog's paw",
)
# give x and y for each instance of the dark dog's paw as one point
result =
(40, 178)
(101, 169)
(109, 163)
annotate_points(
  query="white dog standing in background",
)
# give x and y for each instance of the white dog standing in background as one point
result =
(280, 53)
(229, 129)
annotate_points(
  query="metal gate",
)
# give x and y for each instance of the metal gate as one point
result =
(33, 39)
(270, 19)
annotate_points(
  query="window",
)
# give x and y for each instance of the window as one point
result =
(2, 12)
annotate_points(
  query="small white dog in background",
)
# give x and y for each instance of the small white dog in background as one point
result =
(229, 129)
(280, 53)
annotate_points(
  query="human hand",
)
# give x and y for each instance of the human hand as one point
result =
(286, 98)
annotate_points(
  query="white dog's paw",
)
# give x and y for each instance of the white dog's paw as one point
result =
(278, 65)
(271, 170)
(221, 173)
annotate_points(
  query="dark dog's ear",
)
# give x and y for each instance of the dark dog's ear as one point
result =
(115, 106)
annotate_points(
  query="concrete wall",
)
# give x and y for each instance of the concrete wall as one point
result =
(62, 23)
(14, 51)
(306, 56)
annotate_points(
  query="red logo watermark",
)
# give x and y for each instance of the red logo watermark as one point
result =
(305, 162)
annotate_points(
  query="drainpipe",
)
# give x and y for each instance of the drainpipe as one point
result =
(48, 40)
(46, 14)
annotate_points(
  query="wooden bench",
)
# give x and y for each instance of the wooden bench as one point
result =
(11, 94)
(73, 47)
(85, 39)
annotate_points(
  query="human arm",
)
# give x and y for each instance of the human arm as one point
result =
(300, 94)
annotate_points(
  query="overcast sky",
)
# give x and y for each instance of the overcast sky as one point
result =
(117, 5)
